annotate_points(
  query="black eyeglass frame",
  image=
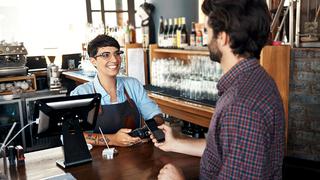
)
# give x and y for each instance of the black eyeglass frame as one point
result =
(106, 55)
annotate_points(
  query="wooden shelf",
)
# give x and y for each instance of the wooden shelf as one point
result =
(192, 112)
(32, 88)
(157, 53)
(181, 51)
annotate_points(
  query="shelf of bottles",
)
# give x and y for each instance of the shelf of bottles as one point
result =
(192, 79)
(173, 34)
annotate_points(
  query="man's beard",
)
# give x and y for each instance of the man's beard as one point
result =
(215, 53)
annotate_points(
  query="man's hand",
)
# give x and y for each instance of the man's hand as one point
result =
(170, 141)
(169, 171)
(123, 139)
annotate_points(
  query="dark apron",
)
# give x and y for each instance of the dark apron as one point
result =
(113, 117)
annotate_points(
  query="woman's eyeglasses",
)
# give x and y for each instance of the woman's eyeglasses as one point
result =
(107, 55)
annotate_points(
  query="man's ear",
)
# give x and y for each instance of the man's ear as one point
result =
(224, 38)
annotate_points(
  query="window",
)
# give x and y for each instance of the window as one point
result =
(112, 12)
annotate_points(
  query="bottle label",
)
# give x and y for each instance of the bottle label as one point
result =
(183, 39)
(184, 42)
(160, 40)
(192, 40)
(199, 41)
(178, 38)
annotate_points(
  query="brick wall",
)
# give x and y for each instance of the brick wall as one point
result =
(304, 104)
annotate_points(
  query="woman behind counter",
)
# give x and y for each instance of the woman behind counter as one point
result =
(123, 99)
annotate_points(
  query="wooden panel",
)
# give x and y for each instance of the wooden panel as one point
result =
(40, 73)
(276, 61)
(192, 112)
(155, 52)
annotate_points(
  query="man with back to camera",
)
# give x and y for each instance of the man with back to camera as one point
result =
(246, 134)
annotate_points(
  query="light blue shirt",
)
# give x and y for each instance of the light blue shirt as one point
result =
(147, 108)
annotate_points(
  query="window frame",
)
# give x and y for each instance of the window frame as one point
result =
(131, 11)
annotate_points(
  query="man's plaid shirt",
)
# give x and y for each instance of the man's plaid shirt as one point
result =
(246, 135)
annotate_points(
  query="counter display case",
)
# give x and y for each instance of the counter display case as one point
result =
(19, 108)
(183, 83)
(11, 111)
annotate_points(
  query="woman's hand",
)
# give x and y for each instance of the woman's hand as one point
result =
(169, 171)
(121, 138)
(170, 140)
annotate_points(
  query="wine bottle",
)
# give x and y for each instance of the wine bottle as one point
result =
(170, 33)
(184, 33)
(165, 34)
(161, 32)
(176, 26)
(193, 35)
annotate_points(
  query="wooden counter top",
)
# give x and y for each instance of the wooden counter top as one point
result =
(77, 76)
(142, 161)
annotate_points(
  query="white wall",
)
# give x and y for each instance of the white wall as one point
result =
(43, 24)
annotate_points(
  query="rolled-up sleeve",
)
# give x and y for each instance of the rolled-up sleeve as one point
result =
(147, 107)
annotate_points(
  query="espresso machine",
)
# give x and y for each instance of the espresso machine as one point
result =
(53, 74)
(13, 59)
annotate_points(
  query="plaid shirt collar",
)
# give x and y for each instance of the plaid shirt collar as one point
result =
(227, 80)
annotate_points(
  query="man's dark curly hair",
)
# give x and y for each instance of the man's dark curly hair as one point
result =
(247, 22)
(101, 41)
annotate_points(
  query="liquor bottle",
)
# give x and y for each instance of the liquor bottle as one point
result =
(176, 26)
(184, 33)
(193, 35)
(161, 32)
(199, 38)
(170, 33)
(178, 36)
(197, 132)
(132, 34)
(205, 37)
(165, 34)
(127, 34)
(189, 129)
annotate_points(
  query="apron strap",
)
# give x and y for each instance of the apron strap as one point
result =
(128, 97)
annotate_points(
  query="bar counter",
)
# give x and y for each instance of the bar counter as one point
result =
(141, 161)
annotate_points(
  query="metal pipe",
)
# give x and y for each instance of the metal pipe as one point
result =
(281, 24)
(291, 23)
(297, 40)
(276, 17)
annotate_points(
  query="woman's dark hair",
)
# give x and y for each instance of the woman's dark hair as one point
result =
(101, 41)
(247, 22)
